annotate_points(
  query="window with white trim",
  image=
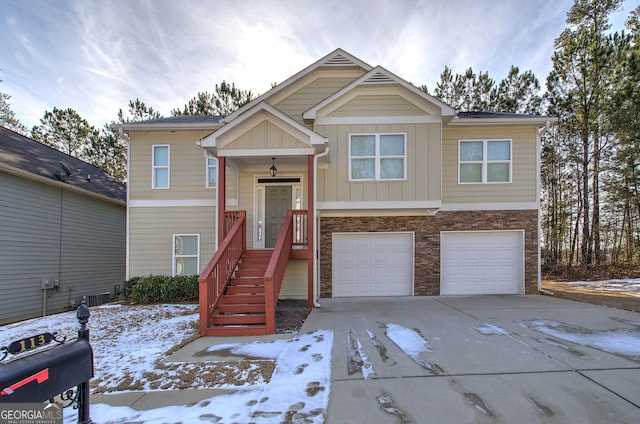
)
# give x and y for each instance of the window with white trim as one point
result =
(160, 165)
(377, 157)
(186, 254)
(484, 161)
(212, 172)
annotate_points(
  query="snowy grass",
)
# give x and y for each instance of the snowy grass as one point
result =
(627, 286)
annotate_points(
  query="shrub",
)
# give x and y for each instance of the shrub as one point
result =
(127, 287)
(161, 288)
(147, 289)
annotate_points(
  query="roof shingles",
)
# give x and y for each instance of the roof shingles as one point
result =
(28, 155)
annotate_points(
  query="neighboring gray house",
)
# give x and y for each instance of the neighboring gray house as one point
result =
(62, 230)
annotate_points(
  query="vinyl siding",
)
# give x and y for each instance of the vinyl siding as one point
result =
(49, 233)
(267, 135)
(523, 183)
(187, 167)
(294, 285)
(314, 90)
(151, 231)
(423, 165)
(377, 105)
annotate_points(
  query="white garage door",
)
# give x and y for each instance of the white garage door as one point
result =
(482, 262)
(372, 264)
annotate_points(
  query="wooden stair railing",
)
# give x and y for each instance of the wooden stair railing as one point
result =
(216, 276)
(275, 272)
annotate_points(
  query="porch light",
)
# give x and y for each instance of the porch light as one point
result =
(273, 170)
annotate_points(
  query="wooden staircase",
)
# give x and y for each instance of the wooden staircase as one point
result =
(241, 309)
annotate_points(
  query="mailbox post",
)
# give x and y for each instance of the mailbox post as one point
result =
(84, 391)
(41, 376)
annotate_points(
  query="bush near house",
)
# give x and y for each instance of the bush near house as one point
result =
(161, 289)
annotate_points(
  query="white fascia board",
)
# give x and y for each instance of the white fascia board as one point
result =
(286, 83)
(497, 206)
(243, 153)
(413, 119)
(169, 203)
(418, 204)
(311, 113)
(540, 122)
(132, 128)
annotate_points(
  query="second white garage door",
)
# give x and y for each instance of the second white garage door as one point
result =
(372, 264)
(489, 262)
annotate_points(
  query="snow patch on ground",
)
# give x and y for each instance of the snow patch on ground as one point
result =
(298, 390)
(630, 286)
(491, 330)
(619, 341)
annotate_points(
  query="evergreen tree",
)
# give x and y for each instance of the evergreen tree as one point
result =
(67, 131)
(225, 99)
(8, 117)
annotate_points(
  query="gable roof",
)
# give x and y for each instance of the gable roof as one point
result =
(24, 156)
(336, 59)
(315, 139)
(379, 76)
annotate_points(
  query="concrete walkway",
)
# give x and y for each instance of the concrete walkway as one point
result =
(493, 359)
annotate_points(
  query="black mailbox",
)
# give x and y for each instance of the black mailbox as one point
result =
(43, 375)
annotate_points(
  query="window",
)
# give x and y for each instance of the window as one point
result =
(186, 254)
(484, 161)
(377, 157)
(212, 172)
(160, 177)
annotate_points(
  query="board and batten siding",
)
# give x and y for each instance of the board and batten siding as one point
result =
(423, 165)
(522, 187)
(151, 231)
(50, 233)
(187, 167)
(313, 89)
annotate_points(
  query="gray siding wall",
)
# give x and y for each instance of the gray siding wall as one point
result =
(47, 233)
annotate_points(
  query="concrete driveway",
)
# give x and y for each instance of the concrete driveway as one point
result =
(482, 359)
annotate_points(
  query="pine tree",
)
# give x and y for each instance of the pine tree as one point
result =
(8, 117)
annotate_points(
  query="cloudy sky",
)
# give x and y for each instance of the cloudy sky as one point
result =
(95, 55)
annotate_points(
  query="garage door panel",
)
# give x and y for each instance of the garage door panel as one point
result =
(482, 262)
(372, 264)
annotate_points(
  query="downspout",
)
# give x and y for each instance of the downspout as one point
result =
(316, 287)
(127, 236)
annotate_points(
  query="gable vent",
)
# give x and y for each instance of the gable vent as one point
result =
(378, 77)
(339, 60)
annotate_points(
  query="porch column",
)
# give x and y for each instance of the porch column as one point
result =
(221, 190)
(311, 258)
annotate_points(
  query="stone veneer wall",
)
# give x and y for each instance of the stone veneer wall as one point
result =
(427, 241)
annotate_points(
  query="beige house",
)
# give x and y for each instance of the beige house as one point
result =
(344, 180)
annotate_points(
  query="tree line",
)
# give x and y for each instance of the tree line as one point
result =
(590, 169)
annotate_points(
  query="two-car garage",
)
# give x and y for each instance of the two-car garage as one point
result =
(471, 262)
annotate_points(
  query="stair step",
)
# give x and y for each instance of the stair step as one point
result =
(241, 298)
(248, 330)
(240, 308)
(244, 289)
(247, 281)
(253, 272)
(239, 319)
(257, 253)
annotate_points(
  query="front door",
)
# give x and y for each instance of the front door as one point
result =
(278, 200)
